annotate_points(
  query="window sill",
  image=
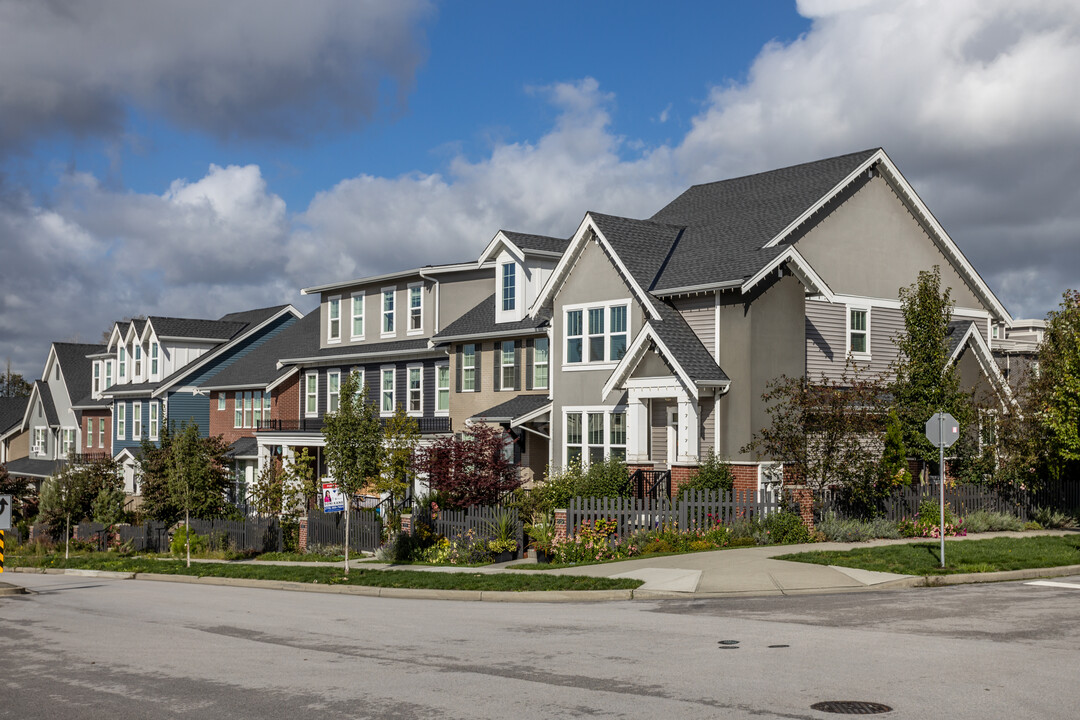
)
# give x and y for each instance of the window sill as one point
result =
(336, 341)
(578, 367)
(388, 335)
(356, 338)
(415, 332)
(861, 357)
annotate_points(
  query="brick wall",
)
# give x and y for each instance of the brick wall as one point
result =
(222, 421)
(94, 417)
(804, 497)
(302, 539)
(560, 524)
(681, 475)
(746, 478)
(285, 400)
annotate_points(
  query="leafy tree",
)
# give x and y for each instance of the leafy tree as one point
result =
(301, 486)
(12, 384)
(400, 437)
(70, 494)
(268, 490)
(169, 491)
(353, 437)
(925, 381)
(894, 455)
(1056, 389)
(828, 432)
(470, 469)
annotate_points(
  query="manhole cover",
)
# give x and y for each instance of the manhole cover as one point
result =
(851, 707)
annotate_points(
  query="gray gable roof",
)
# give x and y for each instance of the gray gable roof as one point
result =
(513, 408)
(955, 334)
(12, 411)
(685, 345)
(259, 367)
(76, 368)
(195, 328)
(33, 467)
(245, 447)
(642, 245)
(480, 320)
(728, 222)
(47, 402)
(540, 243)
(253, 317)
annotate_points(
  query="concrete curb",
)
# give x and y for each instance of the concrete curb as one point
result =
(7, 589)
(1003, 576)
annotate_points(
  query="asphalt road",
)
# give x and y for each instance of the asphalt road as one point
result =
(92, 648)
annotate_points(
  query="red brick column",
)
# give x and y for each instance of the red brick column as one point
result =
(301, 543)
(804, 498)
(681, 475)
(560, 524)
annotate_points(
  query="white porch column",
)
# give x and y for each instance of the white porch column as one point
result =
(689, 440)
(637, 429)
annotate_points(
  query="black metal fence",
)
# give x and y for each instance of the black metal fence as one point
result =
(365, 529)
(653, 484)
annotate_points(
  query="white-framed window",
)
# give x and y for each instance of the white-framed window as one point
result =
(89, 433)
(122, 364)
(311, 394)
(596, 333)
(540, 363)
(138, 361)
(155, 366)
(266, 406)
(859, 331)
(155, 419)
(238, 410)
(256, 408)
(101, 433)
(221, 401)
(41, 441)
(67, 441)
(108, 374)
(416, 309)
(468, 368)
(97, 378)
(333, 320)
(121, 424)
(507, 365)
(357, 311)
(388, 313)
(248, 409)
(442, 388)
(333, 390)
(136, 420)
(359, 372)
(509, 286)
(387, 390)
(593, 434)
(416, 390)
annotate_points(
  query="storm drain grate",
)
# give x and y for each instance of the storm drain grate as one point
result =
(851, 707)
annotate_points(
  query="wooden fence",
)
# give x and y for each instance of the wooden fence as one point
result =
(696, 508)
(479, 519)
(365, 529)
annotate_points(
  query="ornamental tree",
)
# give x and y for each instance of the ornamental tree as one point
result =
(470, 469)
(1056, 388)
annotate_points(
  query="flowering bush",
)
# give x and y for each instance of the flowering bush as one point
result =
(467, 549)
(926, 522)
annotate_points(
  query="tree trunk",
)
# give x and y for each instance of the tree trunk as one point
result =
(347, 537)
(187, 534)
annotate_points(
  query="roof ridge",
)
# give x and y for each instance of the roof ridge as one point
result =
(786, 167)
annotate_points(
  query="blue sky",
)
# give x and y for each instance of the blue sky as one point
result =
(195, 159)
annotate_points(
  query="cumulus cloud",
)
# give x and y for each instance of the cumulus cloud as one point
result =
(241, 68)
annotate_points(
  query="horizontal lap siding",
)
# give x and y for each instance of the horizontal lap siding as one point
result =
(658, 430)
(700, 314)
(886, 324)
(825, 342)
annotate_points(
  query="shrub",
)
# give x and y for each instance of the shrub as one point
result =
(199, 543)
(608, 478)
(884, 528)
(785, 528)
(925, 523)
(1053, 519)
(713, 474)
(838, 529)
(980, 521)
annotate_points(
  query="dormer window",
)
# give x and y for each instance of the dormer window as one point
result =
(138, 362)
(108, 374)
(122, 373)
(154, 367)
(509, 287)
(97, 378)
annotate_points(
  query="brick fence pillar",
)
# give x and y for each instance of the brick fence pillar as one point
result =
(560, 525)
(681, 475)
(301, 541)
(745, 478)
(804, 498)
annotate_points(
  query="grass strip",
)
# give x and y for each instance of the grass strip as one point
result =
(512, 582)
(301, 557)
(968, 556)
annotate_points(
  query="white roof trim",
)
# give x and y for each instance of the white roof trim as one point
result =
(986, 361)
(634, 354)
(29, 406)
(436, 269)
(566, 263)
(530, 416)
(799, 267)
(491, 251)
(292, 371)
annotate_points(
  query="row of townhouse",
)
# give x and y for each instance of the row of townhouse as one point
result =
(651, 339)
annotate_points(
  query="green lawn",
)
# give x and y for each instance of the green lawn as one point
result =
(303, 557)
(335, 576)
(968, 556)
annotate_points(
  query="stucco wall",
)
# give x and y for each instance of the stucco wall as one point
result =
(870, 245)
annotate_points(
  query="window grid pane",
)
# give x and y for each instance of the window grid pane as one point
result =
(509, 292)
(573, 428)
(414, 390)
(618, 428)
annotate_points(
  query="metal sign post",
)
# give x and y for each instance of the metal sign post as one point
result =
(5, 524)
(942, 430)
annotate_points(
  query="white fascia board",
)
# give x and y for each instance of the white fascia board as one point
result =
(985, 358)
(945, 242)
(292, 371)
(212, 354)
(429, 269)
(530, 416)
(415, 353)
(526, 332)
(577, 244)
(809, 212)
(800, 267)
(114, 336)
(693, 289)
(29, 406)
(633, 356)
(492, 249)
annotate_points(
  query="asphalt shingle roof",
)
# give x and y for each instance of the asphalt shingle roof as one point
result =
(642, 245)
(728, 222)
(956, 332)
(245, 447)
(259, 367)
(76, 368)
(12, 411)
(195, 328)
(542, 243)
(31, 467)
(513, 408)
(47, 402)
(685, 345)
(480, 320)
